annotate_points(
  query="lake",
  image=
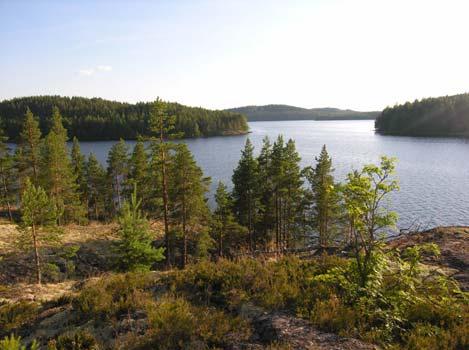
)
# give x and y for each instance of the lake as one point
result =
(433, 172)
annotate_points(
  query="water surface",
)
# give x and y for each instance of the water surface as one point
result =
(433, 172)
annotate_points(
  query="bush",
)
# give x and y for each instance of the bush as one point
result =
(176, 324)
(80, 340)
(13, 316)
(113, 296)
(13, 343)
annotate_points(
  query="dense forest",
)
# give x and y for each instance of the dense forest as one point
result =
(155, 198)
(441, 116)
(285, 112)
(98, 119)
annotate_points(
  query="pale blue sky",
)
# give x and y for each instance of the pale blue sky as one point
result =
(359, 54)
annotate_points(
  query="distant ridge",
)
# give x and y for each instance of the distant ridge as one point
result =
(285, 112)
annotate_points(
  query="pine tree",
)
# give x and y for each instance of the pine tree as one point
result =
(138, 172)
(134, 248)
(57, 174)
(96, 186)
(246, 191)
(225, 230)
(278, 176)
(187, 196)
(79, 170)
(28, 151)
(293, 193)
(266, 209)
(38, 222)
(162, 127)
(7, 176)
(118, 169)
(326, 208)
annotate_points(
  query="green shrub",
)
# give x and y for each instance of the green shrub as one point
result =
(113, 296)
(81, 340)
(176, 324)
(13, 343)
(13, 316)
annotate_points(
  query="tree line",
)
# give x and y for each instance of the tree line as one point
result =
(441, 116)
(99, 119)
(275, 204)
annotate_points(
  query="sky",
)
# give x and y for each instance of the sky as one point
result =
(356, 54)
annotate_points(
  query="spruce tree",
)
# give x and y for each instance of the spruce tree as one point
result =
(28, 150)
(57, 176)
(118, 169)
(38, 222)
(134, 248)
(188, 187)
(326, 209)
(7, 175)
(227, 233)
(96, 187)
(246, 191)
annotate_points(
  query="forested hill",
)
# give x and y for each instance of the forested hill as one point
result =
(285, 112)
(441, 116)
(99, 119)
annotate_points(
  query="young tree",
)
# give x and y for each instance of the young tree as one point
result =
(162, 128)
(57, 174)
(7, 176)
(188, 187)
(118, 169)
(326, 206)
(134, 247)
(79, 170)
(364, 193)
(96, 186)
(28, 150)
(246, 190)
(225, 230)
(38, 222)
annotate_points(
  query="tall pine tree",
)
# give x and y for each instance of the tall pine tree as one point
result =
(28, 152)
(118, 170)
(326, 208)
(162, 128)
(189, 209)
(57, 176)
(246, 190)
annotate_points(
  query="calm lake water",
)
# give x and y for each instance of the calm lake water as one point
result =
(433, 172)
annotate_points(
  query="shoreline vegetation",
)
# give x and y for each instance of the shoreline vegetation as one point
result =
(96, 119)
(446, 116)
(284, 112)
(131, 257)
